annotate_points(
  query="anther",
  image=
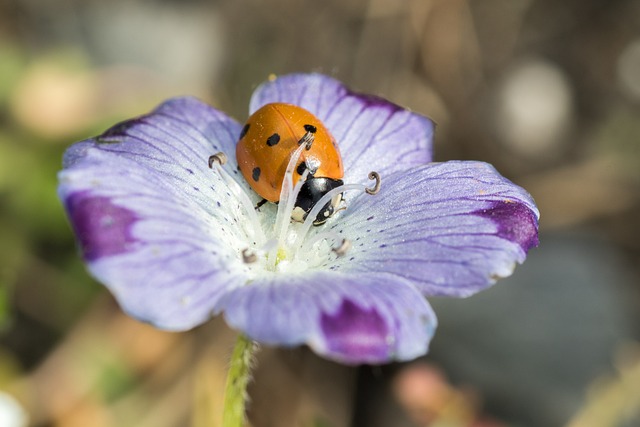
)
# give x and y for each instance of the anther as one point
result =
(376, 187)
(307, 139)
(248, 256)
(343, 248)
(219, 158)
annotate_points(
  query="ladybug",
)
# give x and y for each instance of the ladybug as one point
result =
(267, 141)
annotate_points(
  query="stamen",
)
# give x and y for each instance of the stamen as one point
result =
(343, 248)
(307, 140)
(284, 206)
(376, 187)
(327, 197)
(291, 202)
(248, 256)
(325, 235)
(220, 159)
(319, 205)
(288, 197)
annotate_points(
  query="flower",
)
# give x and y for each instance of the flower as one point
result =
(177, 242)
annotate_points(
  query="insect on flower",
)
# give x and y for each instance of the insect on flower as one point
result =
(279, 132)
(164, 210)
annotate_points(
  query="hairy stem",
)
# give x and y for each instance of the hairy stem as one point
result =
(235, 395)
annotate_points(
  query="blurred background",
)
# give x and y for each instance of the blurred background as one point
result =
(548, 91)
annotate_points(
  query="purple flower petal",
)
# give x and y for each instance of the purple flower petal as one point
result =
(356, 331)
(182, 132)
(370, 131)
(361, 318)
(451, 228)
(155, 224)
(516, 222)
(103, 229)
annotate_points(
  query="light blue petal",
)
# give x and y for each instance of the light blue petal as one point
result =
(451, 228)
(155, 224)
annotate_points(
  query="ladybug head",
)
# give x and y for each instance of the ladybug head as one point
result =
(313, 189)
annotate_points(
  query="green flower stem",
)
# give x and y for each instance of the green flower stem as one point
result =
(235, 394)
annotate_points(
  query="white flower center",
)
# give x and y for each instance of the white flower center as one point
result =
(284, 245)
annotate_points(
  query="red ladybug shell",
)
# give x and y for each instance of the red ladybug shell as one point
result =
(269, 138)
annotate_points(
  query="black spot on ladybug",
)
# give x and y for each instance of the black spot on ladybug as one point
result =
(273, 140)
(310, 128)
(255, 174)
(244, 131)
(304, 166)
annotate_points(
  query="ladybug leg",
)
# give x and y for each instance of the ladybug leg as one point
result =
(260, 204)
